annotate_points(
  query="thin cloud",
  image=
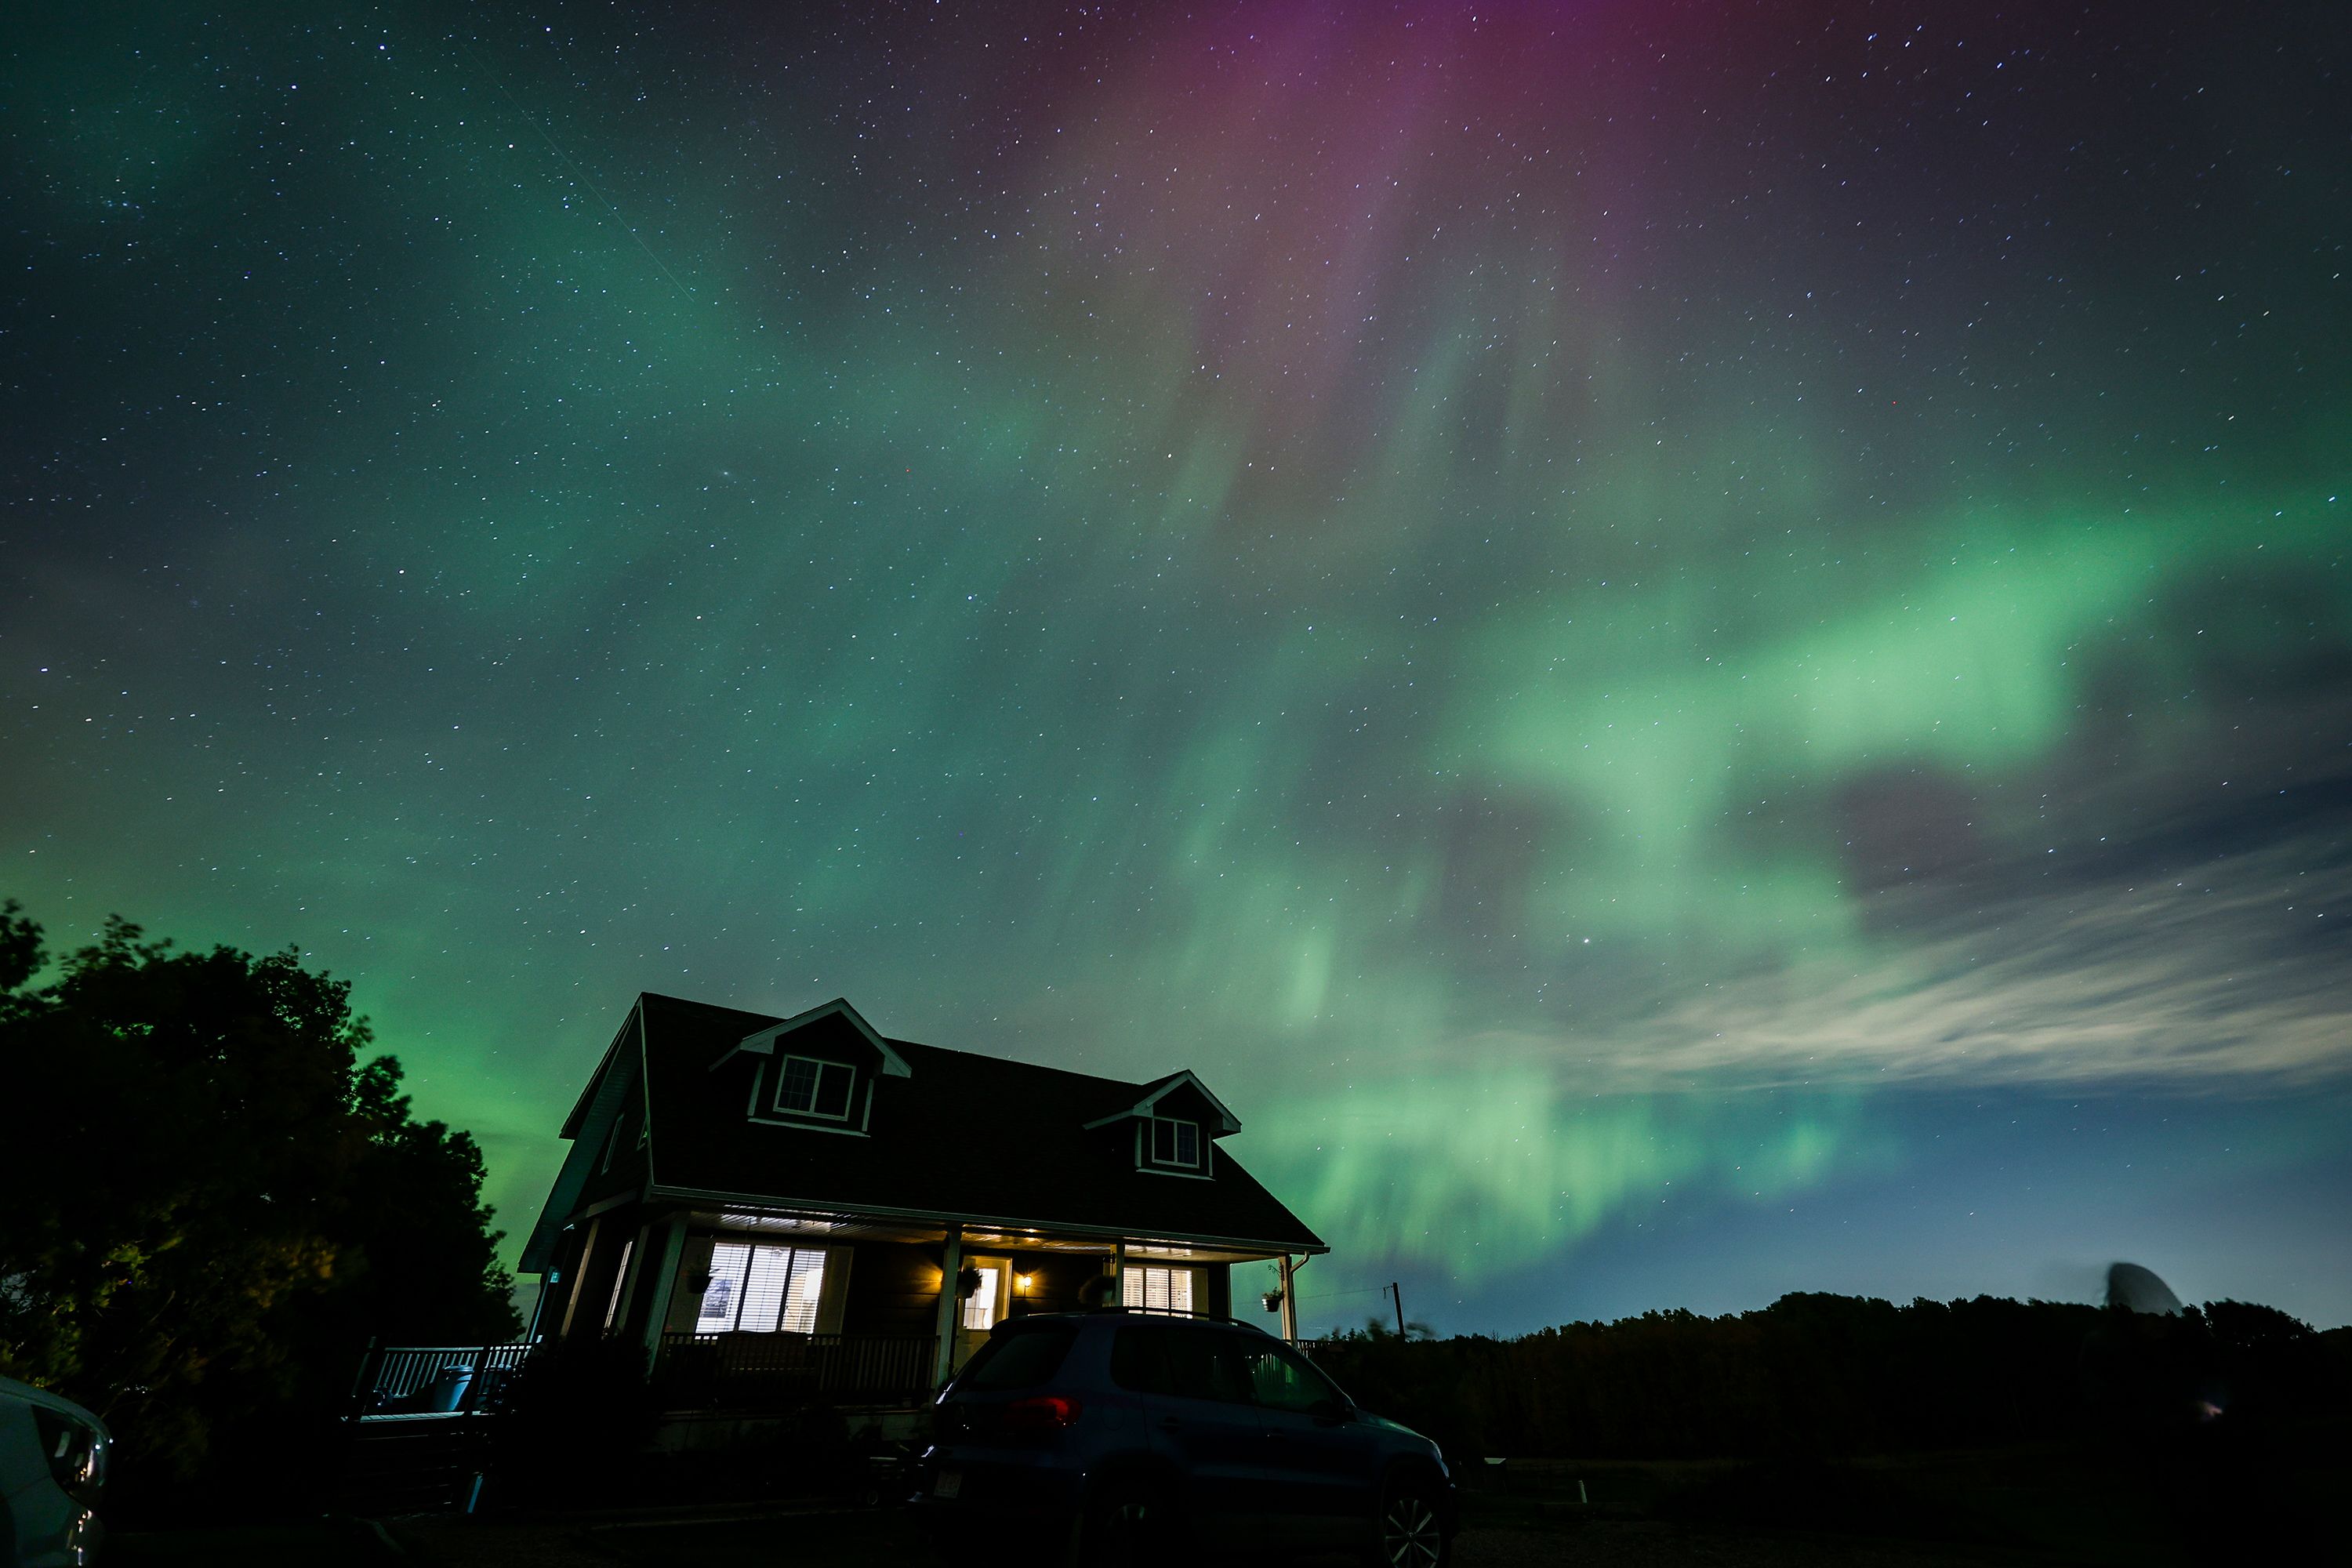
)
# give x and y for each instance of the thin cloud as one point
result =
(2234, 976)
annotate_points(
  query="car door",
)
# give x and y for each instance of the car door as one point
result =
(1201, 1423)
(1322, 1460)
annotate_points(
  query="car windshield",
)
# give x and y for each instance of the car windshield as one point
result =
(1018, 1355)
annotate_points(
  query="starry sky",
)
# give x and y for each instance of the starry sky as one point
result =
(1692, 649)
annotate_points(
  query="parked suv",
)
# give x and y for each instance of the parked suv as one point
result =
(1128, 1435)
(52, 1467)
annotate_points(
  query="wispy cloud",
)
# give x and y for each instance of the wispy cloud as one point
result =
(2237, 975)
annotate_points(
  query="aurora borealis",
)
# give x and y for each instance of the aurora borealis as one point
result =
(1690, 650)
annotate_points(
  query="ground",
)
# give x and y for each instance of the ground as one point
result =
(1965, 1510)
(860, 1538)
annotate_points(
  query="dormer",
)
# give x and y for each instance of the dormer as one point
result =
(817, 1071)
(1174, 1124)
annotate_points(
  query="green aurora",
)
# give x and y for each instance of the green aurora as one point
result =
(1555, 648)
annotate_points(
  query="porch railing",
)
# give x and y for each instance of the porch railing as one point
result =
(740, 1371)
(435, 1380)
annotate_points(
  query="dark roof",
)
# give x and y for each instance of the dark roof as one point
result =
(963, 1136)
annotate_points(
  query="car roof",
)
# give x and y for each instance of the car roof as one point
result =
(25, 1393)
(1122, 1315)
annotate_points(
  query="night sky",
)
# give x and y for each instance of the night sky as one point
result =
(1693, 650)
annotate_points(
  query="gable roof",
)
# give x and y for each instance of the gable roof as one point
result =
(959, 1137)
(763, 1042)
(620, 1073)
(592, 1115)
(1159, 1089)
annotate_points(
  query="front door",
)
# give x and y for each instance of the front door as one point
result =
(985, 1306)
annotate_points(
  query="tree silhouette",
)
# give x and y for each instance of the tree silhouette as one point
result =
(215, 1201)
(1818, 1375)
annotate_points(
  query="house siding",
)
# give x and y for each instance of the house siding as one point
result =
(1219, 1280)
(894, 1287)
(610, 1243)
(627, 1173)
(1055, 1279)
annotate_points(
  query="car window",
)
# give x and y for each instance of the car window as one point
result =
(1282, 1379)
(1019, 1357)
(1185, 1363)
(73, 1452)
(1136, 1362)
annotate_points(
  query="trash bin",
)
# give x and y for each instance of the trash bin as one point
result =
(446, 1392)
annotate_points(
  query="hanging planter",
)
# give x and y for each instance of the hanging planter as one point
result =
(1272, 1300)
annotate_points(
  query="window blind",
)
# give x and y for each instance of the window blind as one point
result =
(1154, 1290)
(759, 1290)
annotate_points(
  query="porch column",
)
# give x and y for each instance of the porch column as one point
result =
(633, 1275)
(1289, 1303)
(538, 1307)
(950, 1305)
(663, 1282)
(1118, 1275)
(579, 1276)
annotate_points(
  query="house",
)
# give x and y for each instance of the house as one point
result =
(770, 1207)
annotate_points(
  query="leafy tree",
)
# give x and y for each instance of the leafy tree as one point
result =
(216, 1196)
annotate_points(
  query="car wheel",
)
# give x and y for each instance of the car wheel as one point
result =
(1409, 1533)
(1129, 1525)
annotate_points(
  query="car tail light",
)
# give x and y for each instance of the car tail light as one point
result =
(1044, 1412)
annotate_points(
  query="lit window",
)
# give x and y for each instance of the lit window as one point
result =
(1147, 1289)
(761, 1289)
(980, 1306)
(814, 1088)
(1175, 1143)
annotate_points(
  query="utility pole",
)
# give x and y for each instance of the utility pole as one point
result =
(1399, 1294)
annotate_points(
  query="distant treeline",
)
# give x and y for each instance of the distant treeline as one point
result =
(1840, 1374)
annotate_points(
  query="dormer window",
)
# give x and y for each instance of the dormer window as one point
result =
(1175, 1143)
(810, 1088)
(818, 1072)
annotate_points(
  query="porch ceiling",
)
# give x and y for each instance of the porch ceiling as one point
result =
(851, 1226)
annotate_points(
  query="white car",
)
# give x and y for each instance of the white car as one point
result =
(52, 1464)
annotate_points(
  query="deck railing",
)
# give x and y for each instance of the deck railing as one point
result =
(434, 1380)
(741, 1370)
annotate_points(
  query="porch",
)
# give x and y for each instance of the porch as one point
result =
(753, 1309)
(775, 1370)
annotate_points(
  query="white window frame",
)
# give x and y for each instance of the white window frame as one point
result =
(988, 1301)
(1151, 1143)
(620, 1284)
(1135, 1283)
(849, 1096)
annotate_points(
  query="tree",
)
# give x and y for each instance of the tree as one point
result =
(216, 1196)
